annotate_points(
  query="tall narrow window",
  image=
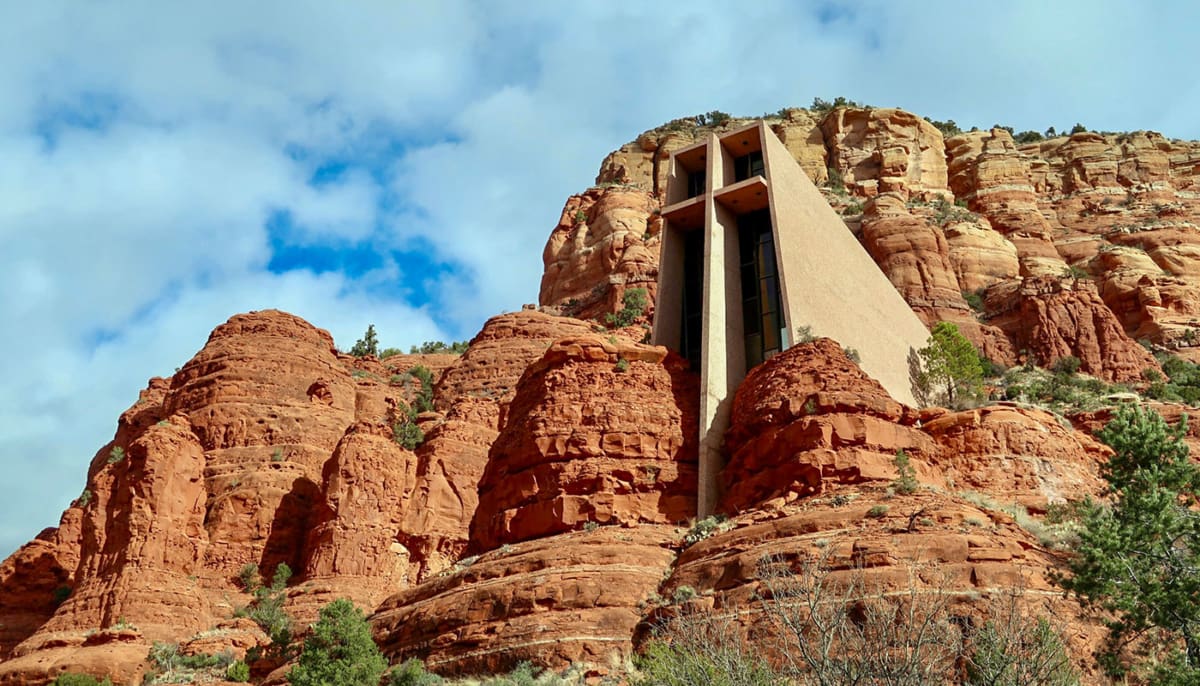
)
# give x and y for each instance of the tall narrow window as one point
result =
(762, 312)
(693, 297)
(695, 183)
(748, 165)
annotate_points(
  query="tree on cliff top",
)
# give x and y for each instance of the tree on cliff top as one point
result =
(339, 651)
(951, 364)
(367, 345)
(1138, 558)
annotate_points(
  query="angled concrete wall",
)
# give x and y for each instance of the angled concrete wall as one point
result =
(830, 281)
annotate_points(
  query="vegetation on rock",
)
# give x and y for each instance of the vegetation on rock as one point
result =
(634, 304)
(266, 608)
(820, 631)
(952, 368)
(1139, 552)
(339, 651)
(440, 348)
(74, 679)
(367, 345)
(404, 428)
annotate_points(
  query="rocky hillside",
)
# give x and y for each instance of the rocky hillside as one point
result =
(1077, 245)
(547, 514)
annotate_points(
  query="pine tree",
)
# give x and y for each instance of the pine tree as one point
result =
(339, 651)
(1138, 557)
(951, 362)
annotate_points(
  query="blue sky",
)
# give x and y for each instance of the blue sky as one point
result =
(164, 166)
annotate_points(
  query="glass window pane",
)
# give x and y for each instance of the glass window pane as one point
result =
(770, 335)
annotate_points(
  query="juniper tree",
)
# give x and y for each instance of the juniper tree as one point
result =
(1139, 555)
(339, 651)
(367, 345)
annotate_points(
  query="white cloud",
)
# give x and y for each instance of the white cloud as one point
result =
(144, 146)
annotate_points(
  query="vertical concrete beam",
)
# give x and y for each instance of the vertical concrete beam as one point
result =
(714, 375)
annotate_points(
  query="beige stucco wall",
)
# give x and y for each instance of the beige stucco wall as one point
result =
(830, 281)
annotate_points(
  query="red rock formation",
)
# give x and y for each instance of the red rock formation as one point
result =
(570, 599)
(809, 418)
(927, 545)
(366, 489)
(219, 467)
(880, 150)
(811, 474)
(269, 446)
(1016, 455)
(916, 258)
(473, 395)
(606, 243)
(1051, 318)
(599, 432)
(36, 579)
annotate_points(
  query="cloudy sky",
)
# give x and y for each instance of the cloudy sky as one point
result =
(166, 165)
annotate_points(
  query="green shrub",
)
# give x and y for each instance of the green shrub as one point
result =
(622, 365)
(580, 216)
(804, 334)
(1076, 272)
(991, 368)
(1027, 137)
(238, 672)
(249, 577)
(407, 433)
(412, 673)
(424, 390)
(439, 348)
(635, 301)
(1137, 553)
(946, 212)
(906, 483)
(704, 528)
(852, 354)
(948, 128)
(974, 299)
(877, 511)
(713, 118)
(821, 106)
(75, 679)
(116, 454)
(1010, 650)
(836, 183)
(61, 594)
(266, 609)
(339, 651)
(683, 594)
(202, 661)
(405, 430)
(1066, 365)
